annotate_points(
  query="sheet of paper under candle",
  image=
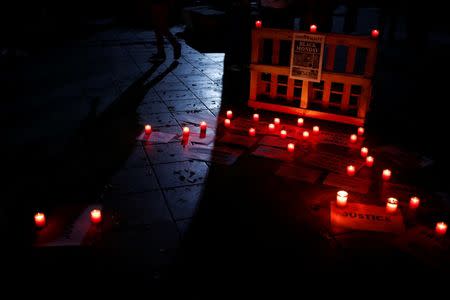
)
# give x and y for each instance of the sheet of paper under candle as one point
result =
(299, 173)
(333, 162)
(239, 140)
(359, 216)
(273, 153)
(217, 154)
(275, 141)
(338, 138)
(156, 137)
(205, 139)
(400, 191)
(344, 182)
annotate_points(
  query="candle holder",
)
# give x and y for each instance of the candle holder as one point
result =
(316, 130)
(351, 170)
(300, 122)
(391, 205)
(256, 117)
(291, 147)
(441, 228)
(40, 220)
(283, 134)
(369, 161)
(341, 198)
(414, 202)
(229, 114)
(364, 152)
(96, 216)
(148, 129)
(386, 174)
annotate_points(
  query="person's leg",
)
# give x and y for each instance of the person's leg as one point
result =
(158, 24)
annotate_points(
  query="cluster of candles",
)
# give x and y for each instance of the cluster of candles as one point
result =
(40, 220)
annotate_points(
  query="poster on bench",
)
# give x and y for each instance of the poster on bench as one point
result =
(307, 56)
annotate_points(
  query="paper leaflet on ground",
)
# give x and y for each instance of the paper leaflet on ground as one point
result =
(239, 140)
(217, 154)
(275, 141)
(273, 153)
(359, 216)
(156, 137)
(333, 162)
(204, 139)
(299, 173)
(338, 138)
(347, 183)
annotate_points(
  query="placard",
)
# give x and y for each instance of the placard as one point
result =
(307, 56)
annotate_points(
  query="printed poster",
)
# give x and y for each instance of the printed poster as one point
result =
(307, 56)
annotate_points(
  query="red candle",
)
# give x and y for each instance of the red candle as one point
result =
(185, 133)
(313, 28)
(305, 135)
(361, 131)
(369, 161)
(227, 122)
(441, 228)
(276, 121)
(256, 117)
(39, 220)
(300, 122)
(351, 170)
(364, 152)
(291, 147)
(386, 174)
(96, 216)
(148, 129)
(283, 134)
(414, 202)
(271, 127)
(391, 204)
(341, 198)
(316, 130)
(374, 33)
(203, 127)
(353, 138)
(229, 114)
(258, 24)
(252, 132)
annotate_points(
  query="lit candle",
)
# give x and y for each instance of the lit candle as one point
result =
(391, 204)
(305, 135)
(353, 138)
(148, 129)
(185, 133)
(374, 33)
(229, 114)
(271, 127)
(313, 28)
(341, 198)
(96, 216)
(441, 228)
(291, 147)
(258, 24)
(39, 220)
(227, 122)
(351, 170)
(252, 132)
(276, 121)
(364, 152)
(300, 122)
(283, 134)
(361, 131)
(386, 174)
(369, 161)
(316, 130)
(203, 127)
(256, 117)
(414, 202)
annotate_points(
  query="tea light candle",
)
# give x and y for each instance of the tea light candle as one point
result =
(252, 132)
(300, 122)
(391, 204)
(364, 152)
(374, 33)
(256, 117)
(351, 170)
(258, 24)
(441, 228)
(283, 134)
(291, 147)
(414, 202)
(313, 28)
(386, 174)
(361, 131)
(353, 138)
(369, 161)
(341, 198)
(305, 135)
(276, 121)
(185, 132)
(229, 114)
(271, 127)
(148, 129)
(96, 216)
(227, 122)
(39, 220)
(316, 130)
(203, 127)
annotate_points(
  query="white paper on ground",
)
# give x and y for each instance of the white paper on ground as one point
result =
(348, 183)
(156, 137)
(218, 154)
(273, 153)
(239, 140)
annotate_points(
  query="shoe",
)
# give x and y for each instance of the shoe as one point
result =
(177, 51)
(158, 57)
